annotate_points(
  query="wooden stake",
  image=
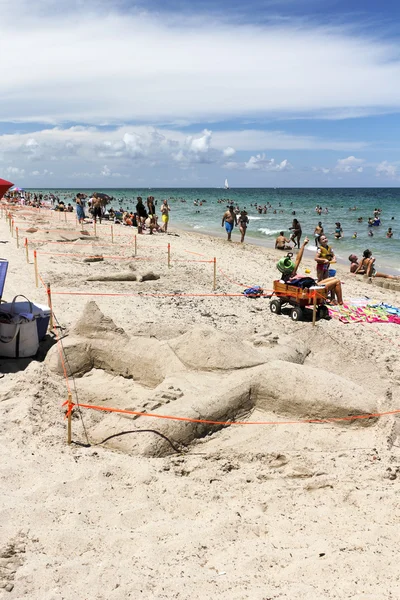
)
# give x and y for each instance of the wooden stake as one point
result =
(169, 255)
(112, 234)
(27, 250)
(50, 306)
(69, 419)
(16, 233)
(135, 245)
(36, 268)
(314, 315)
(215, 275)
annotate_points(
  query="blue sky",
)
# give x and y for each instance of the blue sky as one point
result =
(173, 93)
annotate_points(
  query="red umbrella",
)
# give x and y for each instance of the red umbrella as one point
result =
(4, 186)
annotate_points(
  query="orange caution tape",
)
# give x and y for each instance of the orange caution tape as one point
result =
(209, 422)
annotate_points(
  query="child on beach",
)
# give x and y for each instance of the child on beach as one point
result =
(324, 257)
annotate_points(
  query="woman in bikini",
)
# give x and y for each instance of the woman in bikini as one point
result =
(243, 222)
(296, 233)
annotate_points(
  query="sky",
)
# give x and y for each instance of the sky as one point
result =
(174, 93)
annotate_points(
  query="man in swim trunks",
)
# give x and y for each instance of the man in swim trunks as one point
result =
(165, 208)
(96, 206)
(281, 242)
(230, 220)
(317, 232)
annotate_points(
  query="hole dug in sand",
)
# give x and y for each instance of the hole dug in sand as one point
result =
(203, 374)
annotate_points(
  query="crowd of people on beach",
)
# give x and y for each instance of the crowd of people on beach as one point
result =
(325, 256)
(144, 217)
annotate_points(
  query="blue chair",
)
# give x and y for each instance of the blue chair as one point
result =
(3, 274)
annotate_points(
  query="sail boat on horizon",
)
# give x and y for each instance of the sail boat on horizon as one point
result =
(226, 186)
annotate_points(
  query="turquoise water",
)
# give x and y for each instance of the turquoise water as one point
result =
(264, 228)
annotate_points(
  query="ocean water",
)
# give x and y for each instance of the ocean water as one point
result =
(265, 227)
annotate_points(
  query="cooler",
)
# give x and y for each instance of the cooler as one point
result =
(41, 313)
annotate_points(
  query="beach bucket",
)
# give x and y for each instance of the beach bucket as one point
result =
(332, 272)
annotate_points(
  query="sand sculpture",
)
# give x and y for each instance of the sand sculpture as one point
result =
(203, 374)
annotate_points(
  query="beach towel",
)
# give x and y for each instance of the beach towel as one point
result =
(253, 292)
(370, 313)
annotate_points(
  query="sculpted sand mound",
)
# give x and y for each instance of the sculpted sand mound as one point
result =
(205, 396)
(96, 343)
(207, 349)
(94, 324)
(306, 393)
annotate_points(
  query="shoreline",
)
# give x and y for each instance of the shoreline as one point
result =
(256, 242)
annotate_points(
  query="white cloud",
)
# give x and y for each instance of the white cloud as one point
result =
(200, 144)
(229, 151)
(14, 172)
(349, 165)
(86, 66)
(385, 169)
(264, 140)
(261, 163)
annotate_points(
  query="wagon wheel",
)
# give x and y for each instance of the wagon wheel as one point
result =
(276, 307)
(296, 314)
(323, 312)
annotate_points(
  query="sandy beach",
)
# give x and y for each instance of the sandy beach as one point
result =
(287, 509)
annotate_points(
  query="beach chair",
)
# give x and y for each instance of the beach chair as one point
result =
(3, 275)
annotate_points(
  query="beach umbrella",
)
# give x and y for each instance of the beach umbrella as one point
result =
(102, 196)
(4, 186)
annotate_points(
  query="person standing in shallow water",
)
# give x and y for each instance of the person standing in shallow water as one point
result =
(296, 233)
(243, 222)
(229, 220)
(165, 209)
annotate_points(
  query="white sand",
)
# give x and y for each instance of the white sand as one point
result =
(286, 511)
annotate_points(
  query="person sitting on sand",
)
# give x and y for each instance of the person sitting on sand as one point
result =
(154, 226)
(281, 242)
(367, 266)
(324, 257)
(230, 220)
(332, 284)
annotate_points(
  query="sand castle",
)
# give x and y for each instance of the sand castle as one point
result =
(217, 380)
